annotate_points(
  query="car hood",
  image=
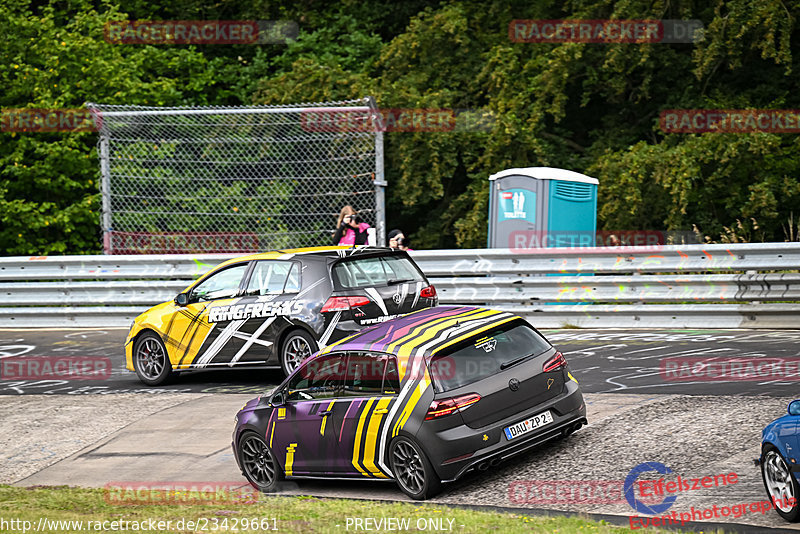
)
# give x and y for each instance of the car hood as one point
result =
(158, 309)
(252, 403)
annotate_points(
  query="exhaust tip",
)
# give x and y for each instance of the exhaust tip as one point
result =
(568, 431)
(483, 466)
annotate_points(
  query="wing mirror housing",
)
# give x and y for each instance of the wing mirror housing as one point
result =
(182, 299)
(278, 398)
(794, 407)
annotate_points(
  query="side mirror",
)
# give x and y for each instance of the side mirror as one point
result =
(794, 408)
(278, 399)
(182, 299)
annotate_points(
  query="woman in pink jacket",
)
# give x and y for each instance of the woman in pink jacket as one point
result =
(350, 230)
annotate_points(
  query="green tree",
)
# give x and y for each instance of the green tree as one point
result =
(591, 108)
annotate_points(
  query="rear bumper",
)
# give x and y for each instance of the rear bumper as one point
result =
(568, 410)
(490, 460)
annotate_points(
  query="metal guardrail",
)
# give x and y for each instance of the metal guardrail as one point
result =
(692, 286)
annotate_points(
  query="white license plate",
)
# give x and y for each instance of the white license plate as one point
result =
(528, 425)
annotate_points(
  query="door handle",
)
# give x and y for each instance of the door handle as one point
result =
(381, 411)
(326, 412)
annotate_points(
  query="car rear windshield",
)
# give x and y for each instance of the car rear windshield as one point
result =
(375, 271)
(485, 354)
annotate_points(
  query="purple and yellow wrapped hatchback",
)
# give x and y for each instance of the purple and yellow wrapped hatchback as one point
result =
(421, 399)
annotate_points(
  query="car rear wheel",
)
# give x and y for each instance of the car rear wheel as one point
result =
(258, 463)
(412, 470)
(781, 486)
(150, 360)
(297, 346)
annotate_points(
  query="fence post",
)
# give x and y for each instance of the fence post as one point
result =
(105, 193)
(380, 178)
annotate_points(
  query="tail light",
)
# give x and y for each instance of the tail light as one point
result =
(344, 303)
(440, 408)
(428, 292)
(556, 362)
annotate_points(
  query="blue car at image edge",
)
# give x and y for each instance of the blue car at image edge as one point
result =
(780, 454)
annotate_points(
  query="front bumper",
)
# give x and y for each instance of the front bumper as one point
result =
(129, 354)
(568, 410)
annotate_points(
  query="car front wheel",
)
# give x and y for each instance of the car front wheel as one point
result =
(258, 463)
(150, 360)
(412, 470)
(781, 486)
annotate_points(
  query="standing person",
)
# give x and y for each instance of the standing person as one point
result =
(398, 240)
(350, 229)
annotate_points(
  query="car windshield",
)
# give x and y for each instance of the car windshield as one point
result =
(375, 271)
(485, 354)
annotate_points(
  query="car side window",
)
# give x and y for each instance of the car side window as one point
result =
(391, 379)
(364, 374)
(320, 378)
(221, 285)
(271, 277)
(371, 374)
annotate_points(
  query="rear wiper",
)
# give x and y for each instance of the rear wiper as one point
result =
(506, 365)
(392, 282)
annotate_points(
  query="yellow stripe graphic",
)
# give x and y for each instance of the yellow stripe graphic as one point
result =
(411, 404)
(405, 351)
(290, 458)
(325, 418)
(330, 347)
(372, 436)
(357, 444)
(271, 435)
(437, 326)
(572, 377)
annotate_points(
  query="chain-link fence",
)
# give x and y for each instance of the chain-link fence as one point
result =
(214, 179)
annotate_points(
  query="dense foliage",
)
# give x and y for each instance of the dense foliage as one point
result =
(592, 108)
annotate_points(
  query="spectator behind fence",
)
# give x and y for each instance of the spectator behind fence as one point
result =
(350, 229)
(398, 240)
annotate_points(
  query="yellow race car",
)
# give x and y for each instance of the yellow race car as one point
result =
(274, 310)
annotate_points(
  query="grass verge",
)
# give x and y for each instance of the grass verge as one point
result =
(50, 509)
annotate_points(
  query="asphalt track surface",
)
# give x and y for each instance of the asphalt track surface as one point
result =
(697, 429)
(603, 361)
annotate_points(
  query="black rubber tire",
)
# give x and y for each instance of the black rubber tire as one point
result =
(151, 360)
(770, 452)
(249, 447)
(400, 460)
(292, 340)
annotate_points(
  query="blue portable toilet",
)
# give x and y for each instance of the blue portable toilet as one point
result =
(539, 207)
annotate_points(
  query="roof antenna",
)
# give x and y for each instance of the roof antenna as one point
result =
(453, 329)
